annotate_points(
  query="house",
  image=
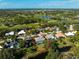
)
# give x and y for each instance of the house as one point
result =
(57, 29)
(39, 39)
(1, 47)
(49, 36)
(71, 28)
(47, 28)
(42, 34)
(11, 46)
(21, 32)
(7, 34)
(59, 34)
(10, 33)
(70, 34)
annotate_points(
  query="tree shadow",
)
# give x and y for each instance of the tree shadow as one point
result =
(64, 49)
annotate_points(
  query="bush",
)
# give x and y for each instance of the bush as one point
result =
(7, 54)
(3, 30)
(12, 53)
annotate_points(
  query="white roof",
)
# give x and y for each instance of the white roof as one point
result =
(1, 47)
(21, 32)
(50, 36)
(10, 33)
(11, 46)
(6, 34)
(69, 34)
(39, 39)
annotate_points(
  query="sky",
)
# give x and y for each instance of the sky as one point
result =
(5, 4)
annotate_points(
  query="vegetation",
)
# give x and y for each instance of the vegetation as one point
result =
(34, 21)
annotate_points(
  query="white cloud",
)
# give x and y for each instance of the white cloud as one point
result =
(73, 0)
(58, 3)
(3, 3)
(51, 3)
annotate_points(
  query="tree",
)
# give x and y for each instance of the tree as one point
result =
(7, 54)
(52, 54)
(53, 51)
(3, 30)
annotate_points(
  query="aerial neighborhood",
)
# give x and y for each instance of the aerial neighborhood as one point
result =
(29, 33)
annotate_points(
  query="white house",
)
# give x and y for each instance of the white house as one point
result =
(69, 34)
(71, 27)
(50, 36)
(10, 33)
(6, 34)
(1, 47)
(39, 39)
(21, 32)
(12, 46)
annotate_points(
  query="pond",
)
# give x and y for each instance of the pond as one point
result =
(46, 17)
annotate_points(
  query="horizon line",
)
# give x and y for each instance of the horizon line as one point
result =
(36, 8)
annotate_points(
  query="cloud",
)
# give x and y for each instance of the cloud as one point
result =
(3, 3)
(51, 3)
(59, 3)
(38, 4)
(73, 0)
